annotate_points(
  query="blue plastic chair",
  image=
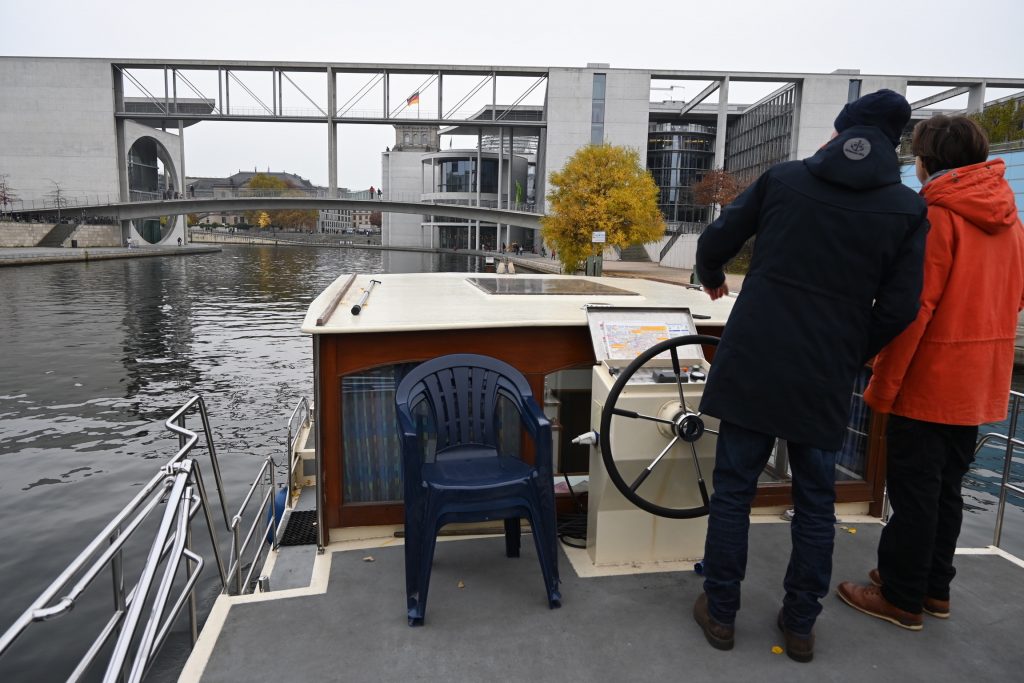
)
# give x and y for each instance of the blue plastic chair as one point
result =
(467, 477)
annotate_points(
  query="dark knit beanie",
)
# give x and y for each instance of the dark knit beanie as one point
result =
(885, 109)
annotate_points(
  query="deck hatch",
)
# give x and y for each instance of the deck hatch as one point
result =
(545, 286)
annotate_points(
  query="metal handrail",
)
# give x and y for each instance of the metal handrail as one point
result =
(178, 485)
(238, 547)
(1004, 483)
(293, 457)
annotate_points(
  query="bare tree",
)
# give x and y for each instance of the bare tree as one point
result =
(718, 187)
(7, 195)
(58, 197)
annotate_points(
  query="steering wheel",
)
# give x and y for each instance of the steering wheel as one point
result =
(675, 420)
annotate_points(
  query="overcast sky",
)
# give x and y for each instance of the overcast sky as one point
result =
(937, 37)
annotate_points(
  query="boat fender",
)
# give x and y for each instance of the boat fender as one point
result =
(280, 499)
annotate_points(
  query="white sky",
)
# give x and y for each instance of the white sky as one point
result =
(936, 37)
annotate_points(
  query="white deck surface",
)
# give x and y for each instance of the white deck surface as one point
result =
(439, 301)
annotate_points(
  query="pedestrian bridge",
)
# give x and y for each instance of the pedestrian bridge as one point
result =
(524, 215)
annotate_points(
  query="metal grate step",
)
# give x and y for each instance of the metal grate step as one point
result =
(301, 529)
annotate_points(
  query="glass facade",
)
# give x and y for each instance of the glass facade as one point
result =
(1012, 153)
(761, 137)
(597, 110)
(456, 175)
(677, 157)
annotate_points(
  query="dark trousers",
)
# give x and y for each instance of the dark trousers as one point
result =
(925, 465)
(739, 460)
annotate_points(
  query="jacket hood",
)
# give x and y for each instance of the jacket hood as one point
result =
(978, 193)
(859, 158)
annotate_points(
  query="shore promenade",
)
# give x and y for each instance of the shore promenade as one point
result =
(30, 256)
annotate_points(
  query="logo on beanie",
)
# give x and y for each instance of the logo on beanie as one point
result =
(856, 149)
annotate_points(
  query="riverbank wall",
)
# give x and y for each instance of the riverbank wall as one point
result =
(28, 235)
(31, 256)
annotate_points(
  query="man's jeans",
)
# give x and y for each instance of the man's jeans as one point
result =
(740, 458)
(925, 465)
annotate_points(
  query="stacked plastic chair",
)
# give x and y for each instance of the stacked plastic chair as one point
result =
(467, 477)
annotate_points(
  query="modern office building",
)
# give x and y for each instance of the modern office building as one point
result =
(70, 121)
(1010, 152)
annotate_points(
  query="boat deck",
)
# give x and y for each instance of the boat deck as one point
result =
(487, 619)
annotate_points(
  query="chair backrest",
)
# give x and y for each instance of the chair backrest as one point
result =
(462, 392)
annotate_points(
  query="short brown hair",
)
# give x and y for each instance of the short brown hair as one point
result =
(945, 142)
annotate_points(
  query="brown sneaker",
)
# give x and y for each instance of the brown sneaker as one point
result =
(933, 606)
(869, 600)
(720, 636)
(798, 648)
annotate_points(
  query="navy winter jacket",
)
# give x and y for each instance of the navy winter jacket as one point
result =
(836, 273)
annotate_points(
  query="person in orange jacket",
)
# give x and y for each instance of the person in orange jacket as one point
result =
(948, 372)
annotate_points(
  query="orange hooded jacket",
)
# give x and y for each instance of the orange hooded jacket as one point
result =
(953, 364)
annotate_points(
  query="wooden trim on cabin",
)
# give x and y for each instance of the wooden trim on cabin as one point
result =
(876, 462)
(536, 352)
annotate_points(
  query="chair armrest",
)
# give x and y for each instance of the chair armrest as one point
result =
(412, 453)
(539, 427)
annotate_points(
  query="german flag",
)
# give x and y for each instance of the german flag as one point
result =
(413, 99)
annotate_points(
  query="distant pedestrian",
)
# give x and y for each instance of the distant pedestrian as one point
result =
(179, 241)
(380, 193)
(372, 191)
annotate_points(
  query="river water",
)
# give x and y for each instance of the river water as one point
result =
(94, 357)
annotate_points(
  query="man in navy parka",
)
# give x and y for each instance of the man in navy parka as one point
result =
(836, 273)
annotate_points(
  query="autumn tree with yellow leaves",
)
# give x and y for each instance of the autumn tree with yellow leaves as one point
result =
(290, 219)
(602, 188)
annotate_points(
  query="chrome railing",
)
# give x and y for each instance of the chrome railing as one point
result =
(1004, 483)
(299, 419)
(265, 510)
(1005, 486)
(142, 617)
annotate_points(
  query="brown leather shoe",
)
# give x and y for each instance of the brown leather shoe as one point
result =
(933, 606)
(798, 648)
(720, 636)
(869, 600)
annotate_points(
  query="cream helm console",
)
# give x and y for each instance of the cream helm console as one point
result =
(648, 496)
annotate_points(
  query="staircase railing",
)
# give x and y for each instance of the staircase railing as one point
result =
(142, 616)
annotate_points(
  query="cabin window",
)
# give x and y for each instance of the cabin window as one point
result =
(369, 426)
(567, 404)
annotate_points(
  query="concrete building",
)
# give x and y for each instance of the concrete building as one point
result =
(59, 132)
(67, 125)
(335, 222)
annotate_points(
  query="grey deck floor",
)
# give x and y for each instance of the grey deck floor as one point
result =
(625, 628)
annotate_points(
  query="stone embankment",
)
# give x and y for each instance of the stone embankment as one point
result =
(20, 234)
